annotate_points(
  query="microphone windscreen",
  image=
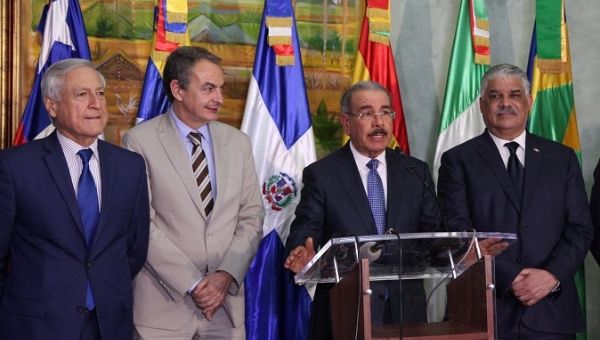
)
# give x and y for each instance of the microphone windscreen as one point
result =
(369, 251)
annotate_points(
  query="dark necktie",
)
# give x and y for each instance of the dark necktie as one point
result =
(376, 196)
(514, 167)
(87, 200)
(200, 168)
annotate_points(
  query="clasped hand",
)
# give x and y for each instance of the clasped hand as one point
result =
(209, 294)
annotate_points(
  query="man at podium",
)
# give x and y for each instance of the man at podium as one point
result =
(509, 180)
(364, 188)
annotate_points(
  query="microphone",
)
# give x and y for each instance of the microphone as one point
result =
(370, 251)
(411, 168)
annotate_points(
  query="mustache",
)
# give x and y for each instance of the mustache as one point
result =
(506, 110)
(378, 131)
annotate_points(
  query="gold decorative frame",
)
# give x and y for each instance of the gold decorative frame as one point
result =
(11, 22)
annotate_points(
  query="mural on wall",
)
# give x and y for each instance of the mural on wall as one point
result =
(120, 34)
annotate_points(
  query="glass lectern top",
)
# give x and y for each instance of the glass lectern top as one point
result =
(393, 256)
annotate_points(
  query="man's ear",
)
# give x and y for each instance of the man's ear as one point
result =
(176, 89)
(345, 122)
(50, 106)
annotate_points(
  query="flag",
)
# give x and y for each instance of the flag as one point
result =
(375, 62)
(549, 70)
(277, 120)
(170, 31)
(63, 36)
(461, 117)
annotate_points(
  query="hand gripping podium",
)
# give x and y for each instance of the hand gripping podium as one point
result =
(456, 279)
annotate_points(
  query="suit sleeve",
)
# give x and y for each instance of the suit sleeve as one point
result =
(452, 189)
(595, 212)
(569, 253)
(163, 255)
(137, 241)
(310, 213)
(8, 211)
(248, 232)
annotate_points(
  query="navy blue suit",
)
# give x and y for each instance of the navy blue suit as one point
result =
(334, 204)
(44, 263)
(551, 220)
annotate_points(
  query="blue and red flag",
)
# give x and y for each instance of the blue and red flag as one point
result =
(277, 120)
(170, 31)
(63, 36)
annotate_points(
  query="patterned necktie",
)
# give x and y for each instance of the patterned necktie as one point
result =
(376, 196)
(87, 200)
(200, 168)
(514, 167)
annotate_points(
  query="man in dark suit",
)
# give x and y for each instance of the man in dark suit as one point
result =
(337, 198)
(74, 220)
(508, 180)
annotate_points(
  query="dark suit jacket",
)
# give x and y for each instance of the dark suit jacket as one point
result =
(552, 222)
(595, 210)
(334, 204)
(43, 285)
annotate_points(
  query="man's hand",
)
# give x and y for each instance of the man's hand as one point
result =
(300, 256)
(532, 285)
(210, 293)
(492, 246)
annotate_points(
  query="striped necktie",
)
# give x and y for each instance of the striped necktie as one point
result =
(200, 168)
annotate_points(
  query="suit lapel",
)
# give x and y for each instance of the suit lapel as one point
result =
(349, 176)
(108, 173)
(489, 152)
(221, 148)
(533, 167)
(398, 185)
(175, 151)
(57, 165)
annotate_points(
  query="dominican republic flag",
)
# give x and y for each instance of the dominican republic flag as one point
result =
(277, 119)
(63, 37)
(170, 31)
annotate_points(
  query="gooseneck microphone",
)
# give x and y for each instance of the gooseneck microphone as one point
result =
(411, 168)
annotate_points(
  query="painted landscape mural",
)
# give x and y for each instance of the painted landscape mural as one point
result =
(120, 35)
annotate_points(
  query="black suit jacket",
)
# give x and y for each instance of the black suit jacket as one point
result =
(43, 287)
(551, 219)
(334, 204)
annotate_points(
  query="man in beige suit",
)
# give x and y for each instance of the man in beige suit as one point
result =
(206, 210)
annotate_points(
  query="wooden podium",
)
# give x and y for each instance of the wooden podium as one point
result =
(470, 308)
(352, 263)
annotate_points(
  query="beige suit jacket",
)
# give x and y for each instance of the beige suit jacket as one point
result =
(184, 244)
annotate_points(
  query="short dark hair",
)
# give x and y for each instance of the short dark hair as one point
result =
(179, 64)
(346, 101)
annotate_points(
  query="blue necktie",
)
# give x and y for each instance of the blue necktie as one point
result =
(375, 195)
(87, 200)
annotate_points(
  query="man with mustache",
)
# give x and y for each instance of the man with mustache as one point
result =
(338, 199)
(509, 180)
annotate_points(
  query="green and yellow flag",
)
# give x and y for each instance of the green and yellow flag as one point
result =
(552, 114)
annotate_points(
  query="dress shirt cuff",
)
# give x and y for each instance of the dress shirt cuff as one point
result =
(194, 285)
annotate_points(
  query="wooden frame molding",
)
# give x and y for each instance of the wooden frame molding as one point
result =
(11, 25)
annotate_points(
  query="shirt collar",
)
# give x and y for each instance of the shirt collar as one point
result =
(185, 130)
(71, 148)
(362, 160)
(500, 142)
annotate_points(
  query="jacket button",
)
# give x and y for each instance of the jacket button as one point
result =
(80, 309)
(89, 264)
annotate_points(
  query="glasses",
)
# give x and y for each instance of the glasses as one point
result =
(370, 115)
